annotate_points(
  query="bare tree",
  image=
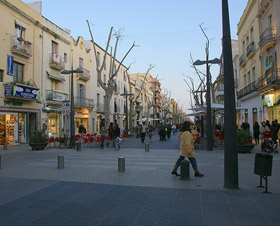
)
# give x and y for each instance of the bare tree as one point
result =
(113, 71)
(133, 98)
(165, 101)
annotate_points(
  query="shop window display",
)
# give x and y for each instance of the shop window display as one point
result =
(54, 124)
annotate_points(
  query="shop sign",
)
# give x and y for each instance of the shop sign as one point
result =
(21, 91)
(79, 114)
(59, 96)
(12, 102)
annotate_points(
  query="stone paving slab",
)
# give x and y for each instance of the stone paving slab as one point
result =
(75, 203)
(150, 169)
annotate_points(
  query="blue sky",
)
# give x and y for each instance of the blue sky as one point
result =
(167, 31)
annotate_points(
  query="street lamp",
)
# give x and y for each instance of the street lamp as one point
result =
(208, 98)
(72, 122)
(126, 110)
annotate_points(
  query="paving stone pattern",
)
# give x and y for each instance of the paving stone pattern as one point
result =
(91, 191)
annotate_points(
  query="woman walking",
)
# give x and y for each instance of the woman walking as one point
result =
(186, 149)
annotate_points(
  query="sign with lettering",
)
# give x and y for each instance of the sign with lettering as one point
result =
(25, 92)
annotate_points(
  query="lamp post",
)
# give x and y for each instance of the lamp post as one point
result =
(126, 110)
(72, 122)
(208, 98)
(230, 153)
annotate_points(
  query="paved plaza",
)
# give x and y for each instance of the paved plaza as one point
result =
(91, 191)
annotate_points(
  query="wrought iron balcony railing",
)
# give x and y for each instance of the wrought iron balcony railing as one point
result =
(247, 90)
(250, 49)
(269, 78)
(267, 37)
(83, 102)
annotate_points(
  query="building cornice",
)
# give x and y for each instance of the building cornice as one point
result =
(35, 22)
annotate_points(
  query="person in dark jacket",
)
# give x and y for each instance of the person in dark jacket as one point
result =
(111, 133)
(256, 128)
(274, 130)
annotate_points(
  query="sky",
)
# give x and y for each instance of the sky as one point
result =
(166, 32)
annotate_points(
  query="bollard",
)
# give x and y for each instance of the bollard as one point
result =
(60, 162)
(5, 147)
(147, 147)
(185, 170)
(121, 164)
(79, 146)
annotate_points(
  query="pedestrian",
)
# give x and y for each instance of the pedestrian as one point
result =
(267, 123)
(143, 132)
(274, 130)
(161, 131)
(263, 129)
(168, 132)
(174, 129)
(256, 128)
(150, 132)
(102, 133)
(111, 133)
(245, 125)
(81, 128)
(186, 149)
(117, 135)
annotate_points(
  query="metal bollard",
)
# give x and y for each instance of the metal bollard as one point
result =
(121, 164)
(79, 146)
(60, 162)
(185, 170)
(5, 147)
(147, 147)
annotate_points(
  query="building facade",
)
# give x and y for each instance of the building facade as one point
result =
(20, 72)
(268, 83)
(249, 64)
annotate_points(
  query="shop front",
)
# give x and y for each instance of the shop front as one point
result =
(17, 127)
(81, 116)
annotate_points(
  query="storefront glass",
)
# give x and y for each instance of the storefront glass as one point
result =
(12, 128)
(54, 125)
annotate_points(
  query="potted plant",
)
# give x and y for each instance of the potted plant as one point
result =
(244, 141)
(39, 140)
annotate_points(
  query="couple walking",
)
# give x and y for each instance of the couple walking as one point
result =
(186, 149)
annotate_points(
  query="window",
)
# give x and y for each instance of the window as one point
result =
(270, 22)
(249, 77)
(18, 72)
(65, 57)
(254, 73)
(247, 41)
(1, 75)
(19, 31)
(245, 80)
(104, 79)
(81, 62)
(244, 48)
(54, 85)
(252, 34)
(124, 76)
(98, 99)
(54, 48)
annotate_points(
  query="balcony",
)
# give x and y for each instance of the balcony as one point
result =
(270, 78)
(267, 39)
(83, 102)
(247, 90)
(251, 50)
(56, 62)
(99, 107)
(263, 6)
(85, 76)
(56, 97)
(242, 61)
(21, 47)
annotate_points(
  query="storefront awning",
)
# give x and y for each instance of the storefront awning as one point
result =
(50, 110)
(56, 77)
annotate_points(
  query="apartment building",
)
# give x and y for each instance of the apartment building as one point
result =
(249, 64)
(268, 83)
(20, 72)
(55, 87)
